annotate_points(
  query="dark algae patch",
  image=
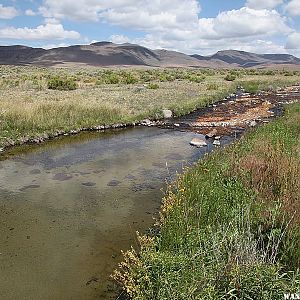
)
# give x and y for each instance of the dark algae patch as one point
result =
(62, 177)
(89, 184)
(31, 186)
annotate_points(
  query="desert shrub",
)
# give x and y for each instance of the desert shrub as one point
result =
(62, 84)
(146, 77)
(112, 79)
(153, 86)
(170, 77)
(130, 79)
(212, 86)
(251, 86)
(230, 77)
(163, 78)
(197, 79)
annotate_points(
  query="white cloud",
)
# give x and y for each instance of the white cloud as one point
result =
(48, 31)
(175, 24)
(156, 15)
(174, 19)
(229, 30)
(293, 41)
(119, 39)
(293, 8)
(205, 46)
(261, 4)
(243, 22)
(8, 12)
(140, 14)
(51, 46)
(30, 12)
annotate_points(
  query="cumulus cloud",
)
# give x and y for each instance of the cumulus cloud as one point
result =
(179, 18)
(49, 31)
(140, 14)
(242, 23)
(30, 12)
(205, 46)
(243, 29)
(293, 41)
(174, 24)
(261, 4)
(51, 46)
(8, 12)
(119, 39)
(293, 8)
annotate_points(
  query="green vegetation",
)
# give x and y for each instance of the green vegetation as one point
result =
(62, 84)
(229, 226)
(41, 101)
(230, 77)
(153, 86)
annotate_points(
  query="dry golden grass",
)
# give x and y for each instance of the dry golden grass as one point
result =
(29, 108)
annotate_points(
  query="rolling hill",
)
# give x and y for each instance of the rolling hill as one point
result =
(106, 54)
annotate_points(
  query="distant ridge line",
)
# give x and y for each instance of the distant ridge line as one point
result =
(108, 54)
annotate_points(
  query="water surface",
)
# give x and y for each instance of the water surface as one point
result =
(69, 206)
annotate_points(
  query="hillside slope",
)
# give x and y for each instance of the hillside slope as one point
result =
(105, 54)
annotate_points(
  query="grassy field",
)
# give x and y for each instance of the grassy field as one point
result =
(41, 101)
(229, 226)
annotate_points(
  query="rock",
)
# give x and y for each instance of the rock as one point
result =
(217, 143)
(252, 124)
(114, 182)
(211, 134)
(1, 149)
(198, 142)
(138, 89)
(176, 125)
(167, 113)
(146, 122)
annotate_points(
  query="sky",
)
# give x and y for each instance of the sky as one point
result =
(190, 26)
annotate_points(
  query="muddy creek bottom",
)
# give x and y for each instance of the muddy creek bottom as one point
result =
(70, 206)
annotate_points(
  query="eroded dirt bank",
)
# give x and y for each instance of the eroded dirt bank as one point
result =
(237, 112)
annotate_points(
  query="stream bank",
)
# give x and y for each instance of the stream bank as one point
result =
(70, 205)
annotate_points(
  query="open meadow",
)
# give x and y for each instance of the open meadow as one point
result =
(42, 101)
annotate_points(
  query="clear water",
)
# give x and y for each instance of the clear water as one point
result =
(68, 207)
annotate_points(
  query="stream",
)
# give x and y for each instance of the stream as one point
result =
(70, 206)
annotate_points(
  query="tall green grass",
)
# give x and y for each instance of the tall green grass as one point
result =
(229, 226)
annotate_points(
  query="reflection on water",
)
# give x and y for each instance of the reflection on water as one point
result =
(68, 208)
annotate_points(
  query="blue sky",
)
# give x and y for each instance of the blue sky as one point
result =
(190, 26)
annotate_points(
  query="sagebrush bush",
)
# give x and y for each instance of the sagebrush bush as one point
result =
(153, 86)
(230, 77)
(62, 84)
(112, 79)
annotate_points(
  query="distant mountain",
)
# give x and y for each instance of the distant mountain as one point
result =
(105, 54)
(249, 60)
